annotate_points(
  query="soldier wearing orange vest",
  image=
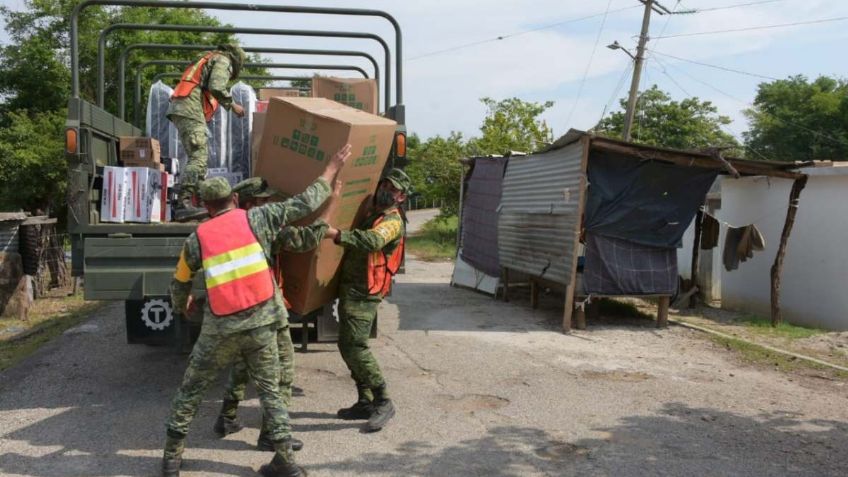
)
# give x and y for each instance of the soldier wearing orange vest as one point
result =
(373, 254)
(254, 192)
(243, 310)
(201, 90)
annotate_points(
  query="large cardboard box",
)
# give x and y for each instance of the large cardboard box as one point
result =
(256, 138)
(113, 197)
(268, 93)
(355, 92)
(132, 148)
(299, 137)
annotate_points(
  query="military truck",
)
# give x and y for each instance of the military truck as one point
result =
(134, 262)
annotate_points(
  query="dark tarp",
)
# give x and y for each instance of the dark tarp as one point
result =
(480, 216)
(620, 267)
(645, 202)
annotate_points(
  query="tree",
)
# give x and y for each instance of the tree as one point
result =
(435, 170)
(512, 125)
(661, 121)
(797, 120)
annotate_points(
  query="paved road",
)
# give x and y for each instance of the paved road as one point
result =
(483, 389)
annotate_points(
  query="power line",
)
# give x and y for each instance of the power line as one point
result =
(616, 90)
(736, 5)
(724, 68)
(519, 33)
(763, 27)
(589, 64)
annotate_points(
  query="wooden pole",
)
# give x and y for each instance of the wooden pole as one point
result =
(696, 256)
(777, 268)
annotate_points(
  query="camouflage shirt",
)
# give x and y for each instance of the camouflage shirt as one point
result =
(214, 78)
(362, 241)
(267, 223)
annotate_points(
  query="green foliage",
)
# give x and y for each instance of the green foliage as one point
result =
(511, 125)
(661, 121)
(797, 120)
(32, 161)
(435, 169)
(436, 240)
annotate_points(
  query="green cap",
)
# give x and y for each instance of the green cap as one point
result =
(400, 180)
(215, 188)
(253, 187)
(237, 57)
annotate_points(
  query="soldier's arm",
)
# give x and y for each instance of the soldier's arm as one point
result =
(375, 238)
(219, 76)
(187, 266)
(275, 215)
(300, 239)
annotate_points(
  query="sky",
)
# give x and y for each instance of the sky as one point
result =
(548, 50)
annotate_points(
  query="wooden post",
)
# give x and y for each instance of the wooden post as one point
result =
(662, 312)
(568, 309)
(580, 318)
(777, 268)
(505, 284)
(696, 256)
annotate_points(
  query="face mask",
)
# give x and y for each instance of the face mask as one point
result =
(384, 198)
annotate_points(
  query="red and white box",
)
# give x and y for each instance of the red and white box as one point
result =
(144, 195)
(113, 199)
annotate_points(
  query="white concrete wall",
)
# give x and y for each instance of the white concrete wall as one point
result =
(814, 286)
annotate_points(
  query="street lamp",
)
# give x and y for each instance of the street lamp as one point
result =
(617, 46)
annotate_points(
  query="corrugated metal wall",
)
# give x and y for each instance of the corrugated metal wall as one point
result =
(539, 213)
(9, 241)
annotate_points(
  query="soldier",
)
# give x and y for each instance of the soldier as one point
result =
(256, 192)
(242, 309)
(373, 253)
(202, 88)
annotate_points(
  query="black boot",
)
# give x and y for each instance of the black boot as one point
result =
(227, 422)
(282, 465)
(266, 444)
(171, 467)
(361, 409)
(185, 211)
(382, 410)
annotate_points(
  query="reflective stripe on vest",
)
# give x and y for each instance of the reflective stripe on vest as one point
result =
(192, 77)
(381, 268)
(235, 267)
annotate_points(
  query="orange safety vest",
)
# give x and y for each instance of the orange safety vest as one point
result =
(234, 265)
(381, 268)
(192, 77)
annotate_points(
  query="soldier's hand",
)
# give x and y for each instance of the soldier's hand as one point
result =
(332, 202)
(238, 109)
(336, 162)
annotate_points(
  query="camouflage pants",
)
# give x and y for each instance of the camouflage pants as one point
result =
(356, 317)
(194, 141)
(239, 375)
(257, 348)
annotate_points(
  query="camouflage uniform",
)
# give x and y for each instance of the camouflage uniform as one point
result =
(358, 308)
(187, 115)
(250, 334)
(292, 239)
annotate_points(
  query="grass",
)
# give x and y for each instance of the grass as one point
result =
(760, 325)
(48, 318)
(755, 354)
(436, 241)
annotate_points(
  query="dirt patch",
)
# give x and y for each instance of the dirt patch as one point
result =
(561, 451)
(617, 375)
(471, 402)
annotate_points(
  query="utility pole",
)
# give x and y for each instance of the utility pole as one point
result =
(637, 69)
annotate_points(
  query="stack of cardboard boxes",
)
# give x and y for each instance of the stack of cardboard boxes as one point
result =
(299, 137)
(137, 192)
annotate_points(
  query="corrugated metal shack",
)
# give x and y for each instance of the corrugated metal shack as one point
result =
(631, 217)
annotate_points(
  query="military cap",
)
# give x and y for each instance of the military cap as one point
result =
(215, 188)
(252, 187)
(400, 180)
(237, 57)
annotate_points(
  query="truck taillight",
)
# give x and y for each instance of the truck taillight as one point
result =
(71, 140)
(400, 145)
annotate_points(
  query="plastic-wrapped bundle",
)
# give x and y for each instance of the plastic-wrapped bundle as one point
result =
(239, 150)
(218, 132)
(158, 125)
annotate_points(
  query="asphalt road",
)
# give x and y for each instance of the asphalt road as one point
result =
(482, 388)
